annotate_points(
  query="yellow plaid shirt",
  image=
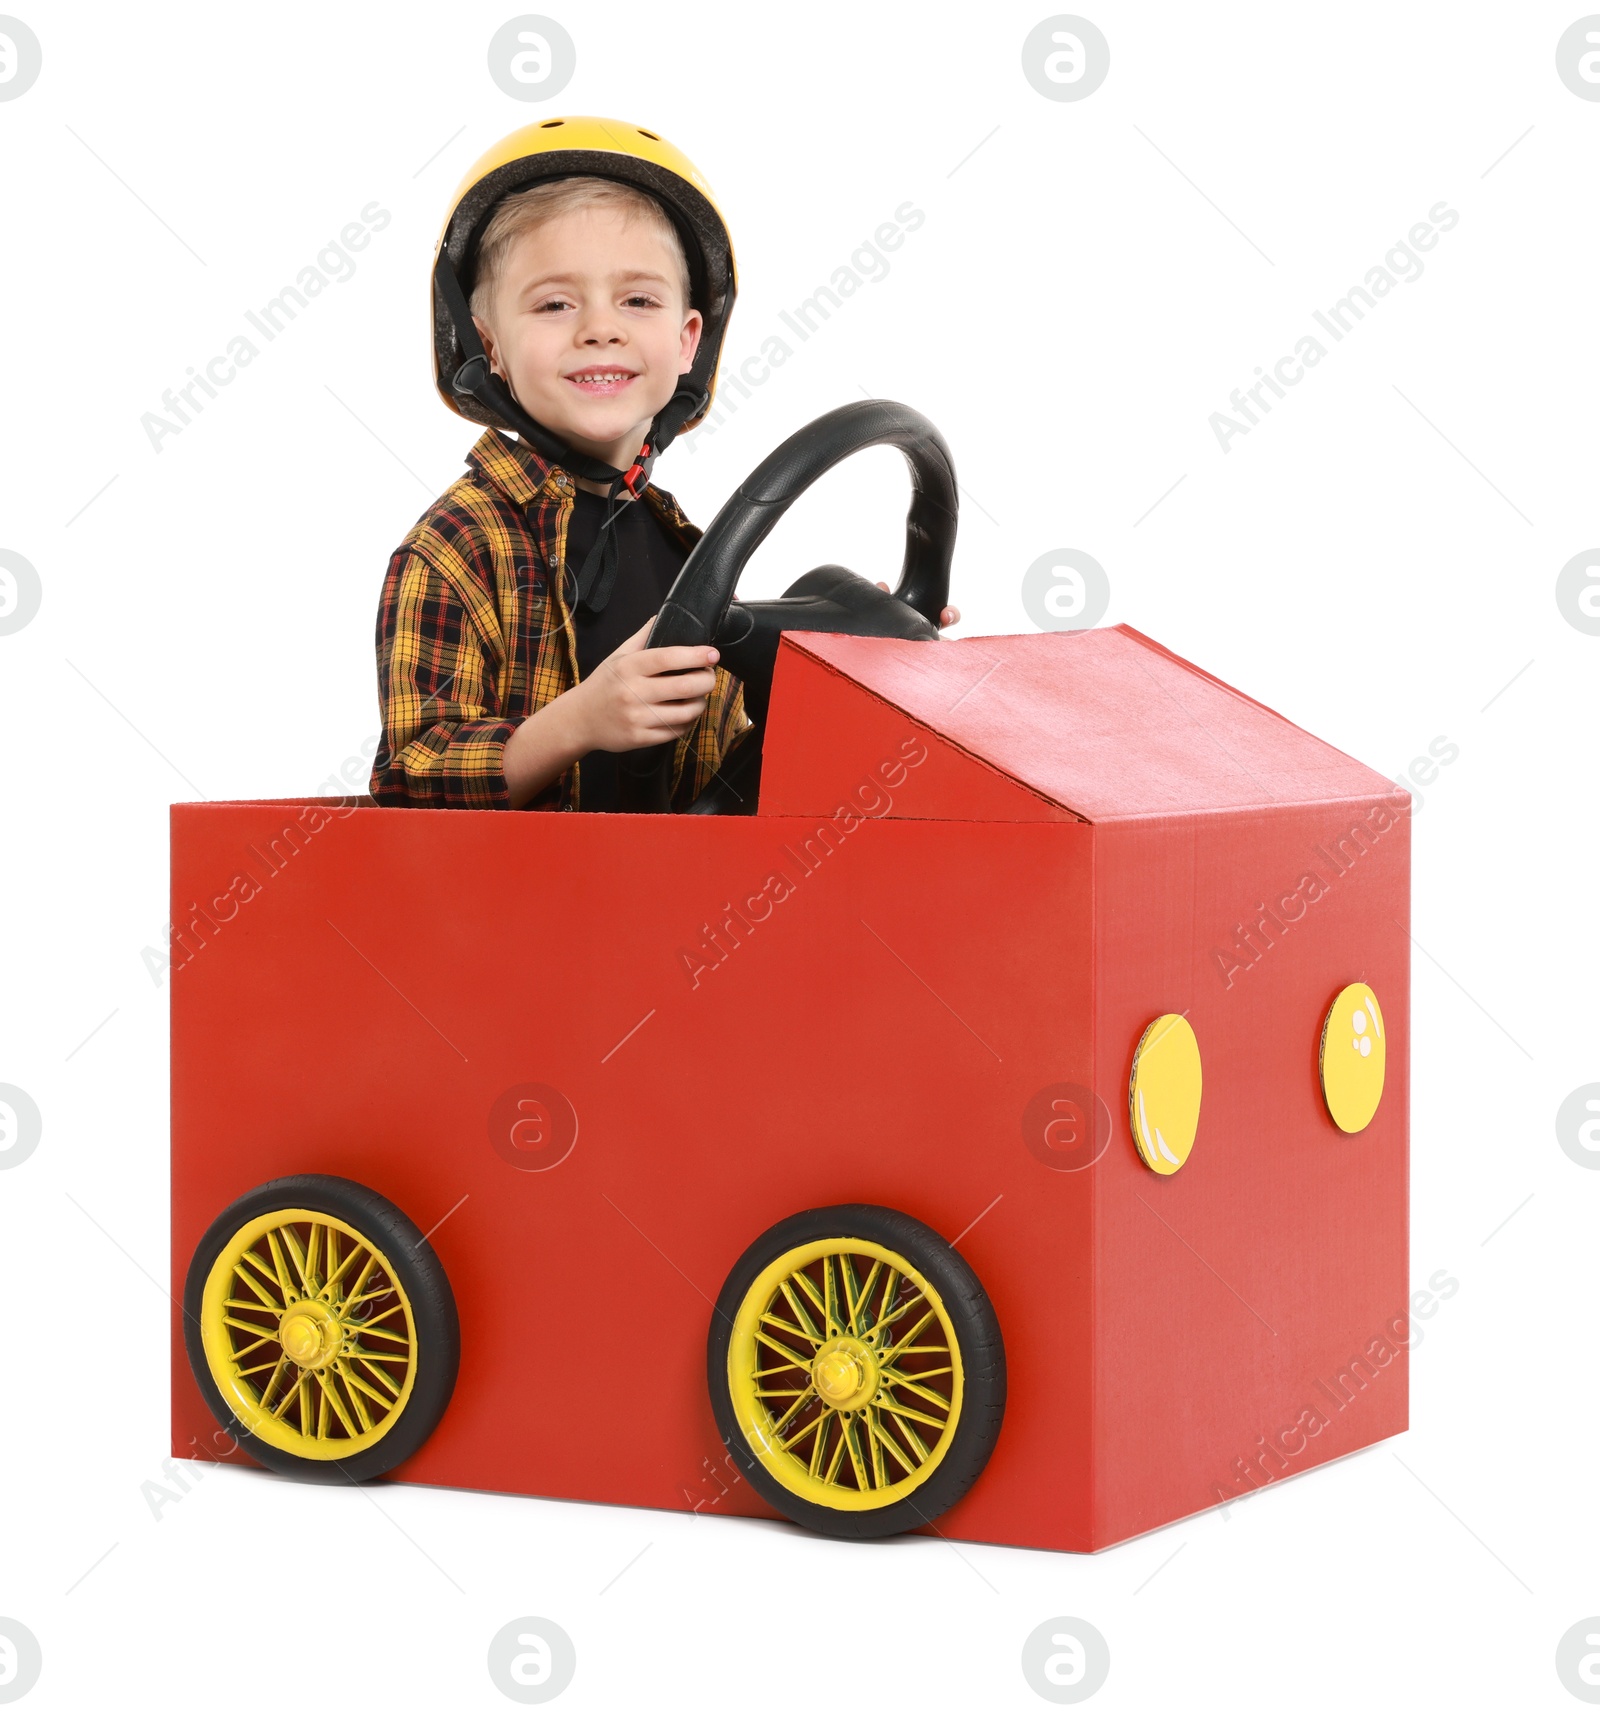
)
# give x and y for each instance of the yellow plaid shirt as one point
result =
(475, 633)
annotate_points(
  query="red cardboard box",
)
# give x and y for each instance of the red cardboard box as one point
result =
(980, 869)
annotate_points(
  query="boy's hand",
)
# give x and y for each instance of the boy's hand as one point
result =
(948, 617)
(639, 698)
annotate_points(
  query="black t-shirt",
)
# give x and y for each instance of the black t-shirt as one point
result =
(648, 561)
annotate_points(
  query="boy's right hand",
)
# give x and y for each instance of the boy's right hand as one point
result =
(638, 698)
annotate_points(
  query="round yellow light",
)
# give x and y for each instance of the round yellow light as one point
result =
(1164, 1093)
(1351, 1058)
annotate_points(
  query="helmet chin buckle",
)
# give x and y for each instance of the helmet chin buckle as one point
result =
(475, 380)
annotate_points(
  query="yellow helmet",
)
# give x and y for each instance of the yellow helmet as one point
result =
(560, 149)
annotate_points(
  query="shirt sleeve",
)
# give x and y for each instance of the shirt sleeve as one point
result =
(443, 737)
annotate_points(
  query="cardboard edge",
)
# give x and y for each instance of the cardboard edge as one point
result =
(303, 800)
(1227, 686)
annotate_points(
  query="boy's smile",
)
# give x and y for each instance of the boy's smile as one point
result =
(589, 328)
(609, 381)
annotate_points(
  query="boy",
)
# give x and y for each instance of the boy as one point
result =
(598, 277)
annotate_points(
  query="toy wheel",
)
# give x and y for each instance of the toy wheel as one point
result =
(856, 1371)
(321, 1328)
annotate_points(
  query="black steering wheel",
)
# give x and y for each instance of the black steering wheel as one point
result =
(700, 608)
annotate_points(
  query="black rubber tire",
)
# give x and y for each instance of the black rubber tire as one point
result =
(977, 1332)
(433, 1308)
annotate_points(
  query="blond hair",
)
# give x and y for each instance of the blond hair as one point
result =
(525, 211)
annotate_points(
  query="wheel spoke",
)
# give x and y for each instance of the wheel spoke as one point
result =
(852, 1440)
(239, 1355)
(280, 1267)
(322, 1410)
(382, 1379)
(848, 1287)
(858, 1303)
(888, 1356)
(313, 1253)
(830, 1301)
(838, 1454)
(303, 1394)
(799, 1312)
(357, 1390)
(874, 1451)
(875, 1428)
(268, 1272)
(334, 1283)
(290, 1396)
(279, 1370)
(894, 1314)
(791, 1357)
(328, 1382)
(795, 1437)
(245, 1326)
(804, 1281)
(297, 1256)
(377, 1376)
(895, 1377)
(788, 1415)
(372, 1329)
(262, 1292)
(912, 1437)
(787, 1326)
(822, 1424)
(891, 1403)
(359, 1285)
(360, 1393)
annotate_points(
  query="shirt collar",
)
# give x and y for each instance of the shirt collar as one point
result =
(520, 473)
(516, 468)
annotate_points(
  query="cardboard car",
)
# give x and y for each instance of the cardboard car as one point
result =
(1004, 1126)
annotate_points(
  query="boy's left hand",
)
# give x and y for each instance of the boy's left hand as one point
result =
(947, 617)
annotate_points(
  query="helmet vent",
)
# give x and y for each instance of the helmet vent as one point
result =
(649, 134)
(545, 126)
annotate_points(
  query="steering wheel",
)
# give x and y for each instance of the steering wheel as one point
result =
(700, 608)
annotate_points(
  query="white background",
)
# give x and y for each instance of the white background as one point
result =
(1377, 560)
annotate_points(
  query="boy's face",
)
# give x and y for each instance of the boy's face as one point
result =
(589, 327)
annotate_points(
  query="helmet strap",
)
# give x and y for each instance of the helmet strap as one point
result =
(599, 571)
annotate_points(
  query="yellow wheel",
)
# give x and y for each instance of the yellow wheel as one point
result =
(321, 1329)
(857, 1371)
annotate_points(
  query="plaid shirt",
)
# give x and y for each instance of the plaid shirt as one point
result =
(475, 633)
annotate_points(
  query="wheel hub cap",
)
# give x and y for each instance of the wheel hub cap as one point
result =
(845, 1373)
(310, 1334)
